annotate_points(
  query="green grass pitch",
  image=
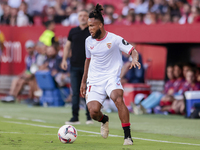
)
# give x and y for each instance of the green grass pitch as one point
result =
(35, 128)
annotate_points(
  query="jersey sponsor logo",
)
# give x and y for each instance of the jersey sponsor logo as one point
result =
(109, 45)
(118, 83)
(125, 42)
(91, 47)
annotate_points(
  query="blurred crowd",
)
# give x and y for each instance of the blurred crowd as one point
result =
(181, 78)
(65, 12)
(46, 55)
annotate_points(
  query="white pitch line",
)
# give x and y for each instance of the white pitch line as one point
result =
(152, 140)
(7, 117)
(22, 118)
(37, 125)
(2, 132)
(38, 120)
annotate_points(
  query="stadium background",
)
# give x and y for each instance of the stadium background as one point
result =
(159, 45)
(172, 42)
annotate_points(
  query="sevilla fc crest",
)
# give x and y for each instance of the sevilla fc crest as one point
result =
(109, 45)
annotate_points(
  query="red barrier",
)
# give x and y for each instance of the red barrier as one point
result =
(131, 90)
(12, 61)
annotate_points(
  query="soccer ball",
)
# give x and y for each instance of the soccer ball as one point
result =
(67, 134)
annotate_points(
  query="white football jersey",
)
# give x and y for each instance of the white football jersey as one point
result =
(106, 57)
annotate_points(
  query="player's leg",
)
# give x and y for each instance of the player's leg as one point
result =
(94, 108)
(95, 96)
(117, 96)
(89, 119)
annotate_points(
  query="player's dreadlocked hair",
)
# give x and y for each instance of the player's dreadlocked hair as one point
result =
(96, 13)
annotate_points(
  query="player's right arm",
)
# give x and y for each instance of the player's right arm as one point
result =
(84, 78)
(67, 48)
(86, 67)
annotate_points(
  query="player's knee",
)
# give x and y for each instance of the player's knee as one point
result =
(94, 114)
(119, 101)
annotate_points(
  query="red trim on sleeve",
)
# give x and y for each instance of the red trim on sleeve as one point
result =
(131, 50)
(126, 124)
(103, 37)
(88, 58)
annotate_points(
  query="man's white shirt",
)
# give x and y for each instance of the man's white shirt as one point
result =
(106, 57)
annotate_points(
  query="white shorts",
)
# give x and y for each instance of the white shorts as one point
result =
(100, 92)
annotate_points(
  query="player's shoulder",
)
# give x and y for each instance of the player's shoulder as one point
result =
(89, 38)
(113, 35)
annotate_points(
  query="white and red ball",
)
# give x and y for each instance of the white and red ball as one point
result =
(67, 134)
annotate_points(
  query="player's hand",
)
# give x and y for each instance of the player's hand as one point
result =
(64, 65)
(135, 64)
(83, 89)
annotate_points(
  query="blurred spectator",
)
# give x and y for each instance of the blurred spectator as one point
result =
(178, 74)
(142, 7)
(1, 9)
(89, 7)
(35, 7)
(52, 14)
(119, 20)
(185, 14)
(72, 19)
(194, 17)
(153, 100)
(198, 75)
(23, 11)
(25, 78)
(5, 18)
(127, 6)
(68, 12)
(138, 19)
(129, 19)
(196, 3)
(175, 91)
(158, 7)
(166, 18)
(48, 36)
(175, 19)
(173, 8)
(60, 7)
(22, 18)
(41, 56)
(150, 18)
(180, 4)
(53, 64)
(13, 16)
(14, 3)
(109, 14)
(186, 67)
(72, 13)
(190, 84)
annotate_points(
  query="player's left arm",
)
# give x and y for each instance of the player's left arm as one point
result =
(129, 49)
(135, 57)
